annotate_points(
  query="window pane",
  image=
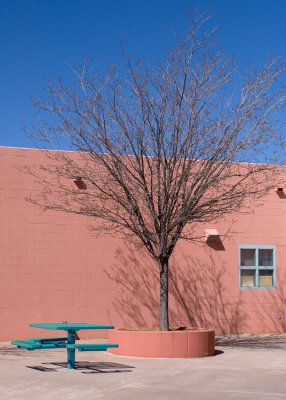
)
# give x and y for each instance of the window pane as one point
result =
(265, 257)
(266, 277)
(247, 257)
(247, 277)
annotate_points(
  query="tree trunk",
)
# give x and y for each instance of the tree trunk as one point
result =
(164, 293)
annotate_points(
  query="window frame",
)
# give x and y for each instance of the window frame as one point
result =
(256, 267)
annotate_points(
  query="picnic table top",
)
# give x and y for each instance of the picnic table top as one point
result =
(68, 326)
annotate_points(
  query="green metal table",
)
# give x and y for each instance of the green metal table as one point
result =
(71, 329)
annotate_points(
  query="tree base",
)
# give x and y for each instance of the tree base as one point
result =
(185, 343)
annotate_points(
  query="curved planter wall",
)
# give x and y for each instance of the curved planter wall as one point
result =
(157, 344)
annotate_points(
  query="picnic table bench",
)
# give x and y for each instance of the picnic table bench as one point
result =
(68, 342)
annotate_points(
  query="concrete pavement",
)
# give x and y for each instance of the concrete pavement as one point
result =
(245, 368)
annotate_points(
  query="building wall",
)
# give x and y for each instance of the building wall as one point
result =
(53, 269)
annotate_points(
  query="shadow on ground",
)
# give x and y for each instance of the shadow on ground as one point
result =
(14, 351)
(253, 341)
(86, 367)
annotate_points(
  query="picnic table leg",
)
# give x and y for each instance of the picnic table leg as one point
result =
(71, 352)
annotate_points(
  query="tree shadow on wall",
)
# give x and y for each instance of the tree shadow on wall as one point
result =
(271, 309)
(268, 306)
(197, 295)
(137, 277)
(200, 296)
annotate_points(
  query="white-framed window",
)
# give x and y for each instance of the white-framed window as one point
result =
(257, 267)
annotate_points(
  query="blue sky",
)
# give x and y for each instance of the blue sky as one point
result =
(36, 34)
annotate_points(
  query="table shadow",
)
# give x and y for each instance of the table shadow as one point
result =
(85, 367)
(41, 369)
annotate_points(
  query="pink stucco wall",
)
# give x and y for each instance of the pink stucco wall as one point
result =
(52, 269)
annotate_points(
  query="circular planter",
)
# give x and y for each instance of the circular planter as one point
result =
(163, 344)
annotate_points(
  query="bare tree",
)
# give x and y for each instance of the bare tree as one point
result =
(163, 148)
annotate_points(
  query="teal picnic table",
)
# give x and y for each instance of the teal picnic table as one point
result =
(68, 342)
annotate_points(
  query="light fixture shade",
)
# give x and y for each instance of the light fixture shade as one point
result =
(80, 182)
(211, 233)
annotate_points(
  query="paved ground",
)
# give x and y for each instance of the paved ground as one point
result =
(245, 368)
